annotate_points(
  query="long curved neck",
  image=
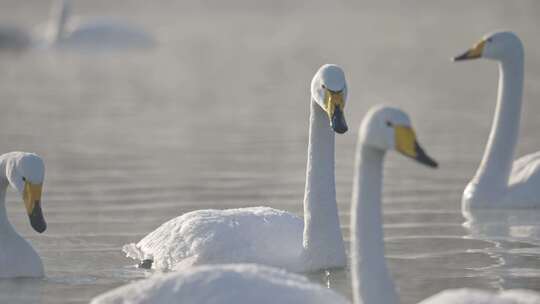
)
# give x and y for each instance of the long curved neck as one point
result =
(498, 157)
(372, 283)
(5, 225)
(59, 18)
(323, 241)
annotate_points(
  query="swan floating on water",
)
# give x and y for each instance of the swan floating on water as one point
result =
(265, 235)
(499, 181)
(383, 129)
(25, 173)
(93, 34)
(63, 31)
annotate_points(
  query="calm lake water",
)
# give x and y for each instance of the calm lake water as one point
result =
(216, 117)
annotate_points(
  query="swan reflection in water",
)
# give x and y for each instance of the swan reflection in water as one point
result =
(515, 238)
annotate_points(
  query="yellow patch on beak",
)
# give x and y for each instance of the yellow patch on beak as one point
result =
(333, 105)
(405, 140)
(332, 100)
(476, 51)
(473, 53)
(406, 144)
(31, 196)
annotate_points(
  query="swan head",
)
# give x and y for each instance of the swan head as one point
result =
(25, 172)
(496, 46)
(387, 128)
(329, 91)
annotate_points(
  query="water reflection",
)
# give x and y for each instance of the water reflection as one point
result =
(20, 291)
(515, 239)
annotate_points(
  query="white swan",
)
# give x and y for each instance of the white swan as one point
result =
(24, 172)
(63, 31)
(265, 235)
(500, 182)
(383, 129)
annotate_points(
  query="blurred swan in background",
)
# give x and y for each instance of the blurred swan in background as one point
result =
(383, 129)
(65, 31)
(265, 235)
(499, 181)
(25, 173)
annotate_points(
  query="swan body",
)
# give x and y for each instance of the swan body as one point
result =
(243, 235)
(265, 235)
(475, 296)
(64, 31)
(214, 284)
(499, 181)
(24, 172)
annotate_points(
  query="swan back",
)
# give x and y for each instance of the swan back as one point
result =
(475, 296)
(240, 283)
(244, 235)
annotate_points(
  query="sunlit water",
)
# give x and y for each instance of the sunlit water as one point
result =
(216, 117)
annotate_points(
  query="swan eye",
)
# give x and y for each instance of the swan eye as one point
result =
(489, 40)
(24, 179)
(323, 86)
(389, 123)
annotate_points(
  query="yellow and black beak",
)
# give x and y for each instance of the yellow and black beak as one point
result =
(473, 53)
(32, 202)
(406, 144)
(334, 103)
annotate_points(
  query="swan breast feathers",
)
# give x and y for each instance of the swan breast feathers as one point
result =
(222, 236)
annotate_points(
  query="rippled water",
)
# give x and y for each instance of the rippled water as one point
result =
(217, 115)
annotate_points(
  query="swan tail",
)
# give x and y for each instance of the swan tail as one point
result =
(132, 251)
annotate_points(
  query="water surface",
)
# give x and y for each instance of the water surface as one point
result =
(216, 117)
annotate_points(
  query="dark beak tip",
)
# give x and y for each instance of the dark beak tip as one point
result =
(341, 129)
(338, 123)
(37, 221)
(459, 58)
(41, 228)
(423, 158)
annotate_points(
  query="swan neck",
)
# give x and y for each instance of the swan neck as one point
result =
(371, 279)
(494, 171)
(322, 241)
(4, 222)
(59, 18)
